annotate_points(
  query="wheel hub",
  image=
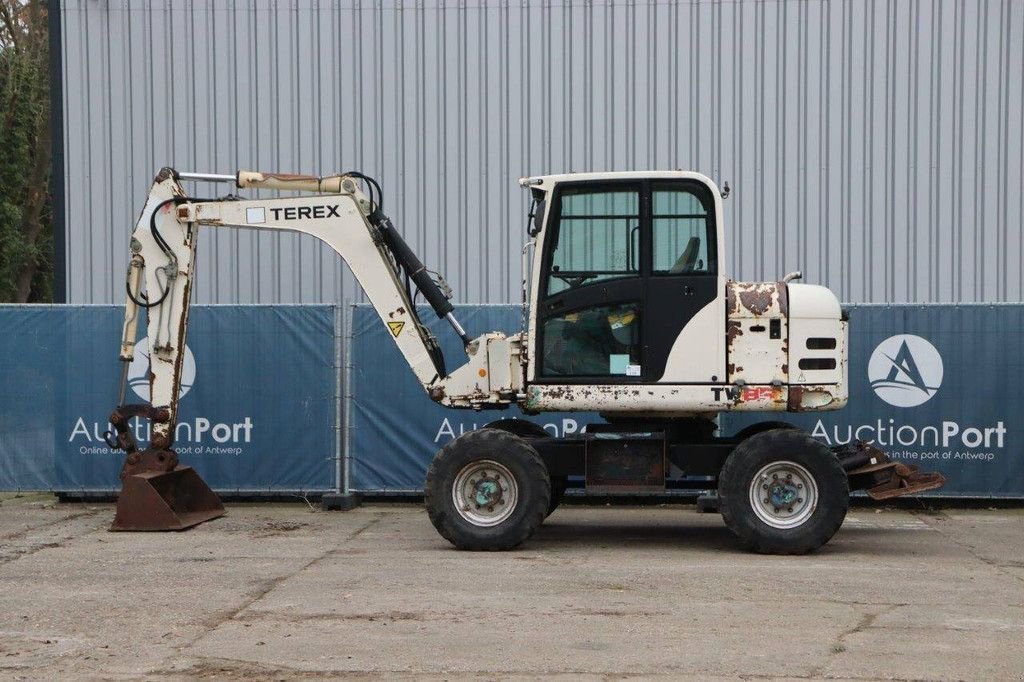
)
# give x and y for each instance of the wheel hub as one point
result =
(485, 493)
(783, 494)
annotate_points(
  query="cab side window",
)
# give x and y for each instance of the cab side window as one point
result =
(598, 238)
(683, 236)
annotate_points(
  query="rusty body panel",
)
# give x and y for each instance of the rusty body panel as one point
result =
(757, 333)
(906, 480)
(654, 400)
(813, 397)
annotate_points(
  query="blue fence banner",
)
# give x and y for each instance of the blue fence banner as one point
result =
(257, 411)
(939, 386)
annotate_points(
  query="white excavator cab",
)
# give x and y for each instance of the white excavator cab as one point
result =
(632, 310)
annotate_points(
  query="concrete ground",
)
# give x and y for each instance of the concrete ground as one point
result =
(284, 592)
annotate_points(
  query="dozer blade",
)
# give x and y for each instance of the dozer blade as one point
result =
(900, 480)
(870, 469)
(165, 500)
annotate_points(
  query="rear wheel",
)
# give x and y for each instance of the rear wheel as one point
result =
(487, 490)
(782, 492)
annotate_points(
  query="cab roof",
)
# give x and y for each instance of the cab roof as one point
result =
(547, 182)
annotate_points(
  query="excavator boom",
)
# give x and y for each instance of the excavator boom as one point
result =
(158, 493)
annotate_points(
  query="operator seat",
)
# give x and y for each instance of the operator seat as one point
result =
(687, 259)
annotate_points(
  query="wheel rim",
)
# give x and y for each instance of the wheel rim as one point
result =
(783, 494)
(485, 493)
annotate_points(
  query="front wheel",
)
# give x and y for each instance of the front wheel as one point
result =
(782, 492)
(487, 490)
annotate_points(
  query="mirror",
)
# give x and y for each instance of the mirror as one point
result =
(538, 217)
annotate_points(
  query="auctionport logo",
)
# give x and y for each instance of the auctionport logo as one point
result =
(905, 370)
(138, 371)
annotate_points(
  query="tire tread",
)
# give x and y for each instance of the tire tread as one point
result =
(756, 451)
(535, 490)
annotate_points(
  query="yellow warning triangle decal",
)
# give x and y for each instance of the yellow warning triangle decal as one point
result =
(396, 328)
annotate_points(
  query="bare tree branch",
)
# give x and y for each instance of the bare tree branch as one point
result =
(7, 13)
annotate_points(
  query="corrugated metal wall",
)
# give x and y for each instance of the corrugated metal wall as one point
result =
(877, 145)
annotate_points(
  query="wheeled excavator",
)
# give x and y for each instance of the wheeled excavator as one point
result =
(630, 315)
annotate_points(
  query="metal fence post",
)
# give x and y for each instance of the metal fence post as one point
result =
(342, 498)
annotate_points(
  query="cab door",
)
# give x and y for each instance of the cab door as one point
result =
(589, 313)
(684, 302)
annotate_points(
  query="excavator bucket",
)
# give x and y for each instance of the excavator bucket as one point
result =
(157, 494)
(172, 500)
(871, 470)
